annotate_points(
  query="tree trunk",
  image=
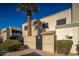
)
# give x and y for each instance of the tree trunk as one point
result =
(29, 25)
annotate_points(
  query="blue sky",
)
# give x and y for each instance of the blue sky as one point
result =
(10, 17)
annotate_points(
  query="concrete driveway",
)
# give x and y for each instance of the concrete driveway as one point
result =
(29, 52)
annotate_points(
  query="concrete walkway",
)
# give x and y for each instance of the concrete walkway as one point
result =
(30, 52)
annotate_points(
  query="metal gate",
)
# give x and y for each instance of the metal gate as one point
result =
(39, 42)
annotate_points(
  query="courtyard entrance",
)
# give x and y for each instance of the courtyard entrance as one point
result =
(46, 41)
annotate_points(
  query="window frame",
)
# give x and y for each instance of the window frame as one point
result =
(45, 24)
(61, 21)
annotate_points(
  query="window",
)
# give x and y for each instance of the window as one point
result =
(45, 25)
(25, 27)
(61, 21)
(68, 37)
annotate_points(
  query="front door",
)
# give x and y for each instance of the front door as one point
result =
(39, 42)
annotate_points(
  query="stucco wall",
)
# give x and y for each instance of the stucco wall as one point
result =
(71, 31)
(75, 12)
(51, 20)
(48, 43)
(61, 33)
(4, 34)
(30, 41)
(25, 32)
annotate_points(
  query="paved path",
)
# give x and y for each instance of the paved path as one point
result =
(30, 52)
(33, 52)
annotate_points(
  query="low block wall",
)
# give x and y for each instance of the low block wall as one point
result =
(48, 43)
(30, 41)
(48, 39)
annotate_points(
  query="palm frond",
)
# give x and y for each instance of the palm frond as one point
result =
(28, 8)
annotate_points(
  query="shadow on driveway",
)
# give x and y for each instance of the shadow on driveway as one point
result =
(32, 54)
(2, 53)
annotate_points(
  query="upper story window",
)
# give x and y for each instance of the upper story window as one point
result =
(25, 27)
(61, 21)
(45, 25)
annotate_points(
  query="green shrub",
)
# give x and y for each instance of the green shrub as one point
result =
(1, 47)
(1, 40)
(10, 45)
(63, 46)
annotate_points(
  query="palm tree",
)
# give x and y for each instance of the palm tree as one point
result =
(38, 26)
(28, 9)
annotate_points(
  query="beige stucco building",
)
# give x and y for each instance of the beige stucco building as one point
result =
(64, 23)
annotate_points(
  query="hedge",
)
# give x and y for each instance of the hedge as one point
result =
(63, 46)
(10, 45)
(1, 40)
